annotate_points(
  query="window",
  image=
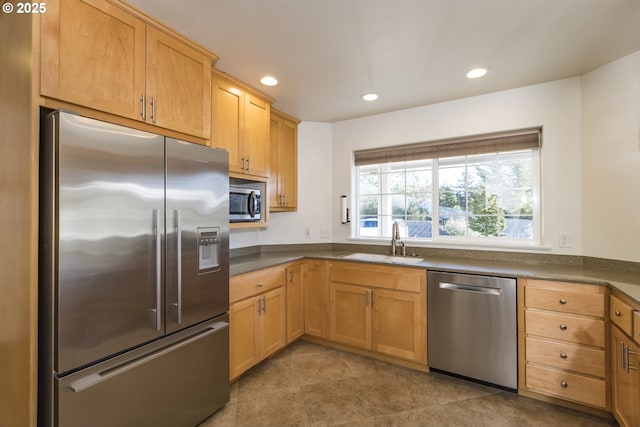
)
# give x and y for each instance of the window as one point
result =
(471, 197)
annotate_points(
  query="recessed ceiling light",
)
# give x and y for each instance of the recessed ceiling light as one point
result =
(269, 81)
(370, 96)
(477, 72)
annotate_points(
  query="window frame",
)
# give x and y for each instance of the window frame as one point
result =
(436, 237)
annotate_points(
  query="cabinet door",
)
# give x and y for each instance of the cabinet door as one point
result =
(295, 303)
(625, 385)
(398, 319)
(315, 319)
(244, 349)
(256, 136)
(227, 118)
(275, 199)
(273, 332)
(178, 85)
(350, 315)
(283, 179)
(288, 164)
(93, 54)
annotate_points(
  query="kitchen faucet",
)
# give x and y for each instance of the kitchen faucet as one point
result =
(395, 239)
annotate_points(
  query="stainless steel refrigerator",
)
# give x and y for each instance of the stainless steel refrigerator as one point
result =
(134, 277)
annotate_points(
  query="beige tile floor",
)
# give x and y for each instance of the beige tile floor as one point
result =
(311, 385)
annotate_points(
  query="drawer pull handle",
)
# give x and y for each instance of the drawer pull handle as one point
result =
(563, 355)
(564, 384)
(260, 284)
(563, 301)
(563, 327)
(618, 314)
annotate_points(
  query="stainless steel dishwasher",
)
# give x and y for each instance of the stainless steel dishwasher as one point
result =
(472, 327)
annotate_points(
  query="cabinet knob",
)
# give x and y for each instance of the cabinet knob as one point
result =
(563, 301)
(563, 327)
(260, 284)
(564, 384)
(618, 314)
(563, 355)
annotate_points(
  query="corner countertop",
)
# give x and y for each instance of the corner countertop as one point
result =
(626, 282)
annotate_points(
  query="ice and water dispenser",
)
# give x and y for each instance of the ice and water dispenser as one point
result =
(208, 249)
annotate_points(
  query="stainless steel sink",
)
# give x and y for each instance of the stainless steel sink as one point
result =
(390, 259)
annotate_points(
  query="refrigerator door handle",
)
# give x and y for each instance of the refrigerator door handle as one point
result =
(158, 235)
(94, 379)
(176, 215)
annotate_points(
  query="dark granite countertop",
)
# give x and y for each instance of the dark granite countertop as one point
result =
(627, 282)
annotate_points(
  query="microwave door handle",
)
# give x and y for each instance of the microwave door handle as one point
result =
(253, 201)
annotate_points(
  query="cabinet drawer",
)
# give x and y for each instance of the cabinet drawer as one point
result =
(579, 388)
(256, 282)
(406, 279)
(563, 355)
(566, 301)
(567, 327)
(621, 314)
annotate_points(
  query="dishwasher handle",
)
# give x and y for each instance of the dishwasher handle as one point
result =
(470, 288)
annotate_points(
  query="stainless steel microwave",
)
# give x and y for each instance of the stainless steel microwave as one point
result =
(245, 204)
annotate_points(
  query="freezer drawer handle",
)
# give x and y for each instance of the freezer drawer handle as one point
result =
(94, 379)
(475, 289)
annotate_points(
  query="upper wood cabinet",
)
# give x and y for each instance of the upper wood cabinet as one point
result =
(100, 55)
(283, 180)
(240, 124)
(179, 85)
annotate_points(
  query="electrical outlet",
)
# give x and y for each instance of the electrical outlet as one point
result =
(564, 240)
(324, 233)
(307, 232)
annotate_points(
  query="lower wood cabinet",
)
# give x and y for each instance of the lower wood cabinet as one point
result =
(257, 321)
(625, 361)
(563, 346)
(398, 319)
(295, 302)
(315, 298)
(350, 315)
(625, 379)
(565, 341)
(373, 317)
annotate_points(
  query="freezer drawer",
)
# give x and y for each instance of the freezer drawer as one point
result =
(180, 382)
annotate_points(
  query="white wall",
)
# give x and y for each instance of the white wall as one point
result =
(591, 123)
(611, 160)
(554, 105)
(314, 195)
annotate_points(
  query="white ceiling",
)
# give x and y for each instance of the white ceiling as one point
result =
(327, 53)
